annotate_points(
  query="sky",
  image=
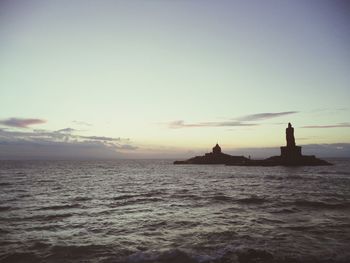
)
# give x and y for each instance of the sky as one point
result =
(171, 78)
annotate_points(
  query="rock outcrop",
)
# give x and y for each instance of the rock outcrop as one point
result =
(215, 157)
(291, 155)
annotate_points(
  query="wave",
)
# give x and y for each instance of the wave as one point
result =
(86, 253)
(129, 196)
(186, 196)
(319, 204)
(60, 207)
(57, 216)
(283, 210)
(74, 250)
(20, 257)
(44, 217)
(153, 193)
(123, 197)
(132, 201)
(274, 177)
(170, 256)
(254, 199)
(148, 219)
(49, 227)
(300, 228)
(4, 208)
(290, 177)
(232, 254)
(225, 255)
(4, 231)
(20, 174)
(43, 181)
(40, 245)
(82, 198)
(334, 172)
(222, 197)
(108, 254)
(254, 255)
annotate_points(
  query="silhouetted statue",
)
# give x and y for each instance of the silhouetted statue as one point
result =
(291, 152)
(290, 136)
(290, 156)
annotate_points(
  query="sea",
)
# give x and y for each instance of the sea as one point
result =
(137, 211)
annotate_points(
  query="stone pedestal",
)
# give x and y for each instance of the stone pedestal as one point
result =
(291, 152)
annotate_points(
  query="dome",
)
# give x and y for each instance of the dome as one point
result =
(217, 149)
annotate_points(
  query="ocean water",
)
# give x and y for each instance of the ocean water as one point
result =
(153, 211)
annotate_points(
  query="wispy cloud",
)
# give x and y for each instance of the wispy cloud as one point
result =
(265, 115)
(102, 138)
(57, 150)
(181, 124)
(66, 134)
(339, 125)
(61, 143)
(244, 121)
(83, 123)
(66, 130)
(21, 123)
(127, 147)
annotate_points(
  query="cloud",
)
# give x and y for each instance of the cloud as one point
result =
(21, 123)
(102, 138)
(66, 130)
(339, 125)
(63, 143)
(127, 147)
(265, 115)
(181, 124)
(48, 150)
(83, 123)
(235, 122)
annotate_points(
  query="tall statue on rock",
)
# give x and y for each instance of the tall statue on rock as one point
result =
(291, 152)
(290, 136)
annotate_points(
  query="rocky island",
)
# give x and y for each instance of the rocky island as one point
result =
(291, 155)
(215, 157)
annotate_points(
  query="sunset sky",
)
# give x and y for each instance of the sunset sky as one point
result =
(169, 78)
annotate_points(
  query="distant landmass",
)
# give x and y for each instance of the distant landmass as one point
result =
(291, 155)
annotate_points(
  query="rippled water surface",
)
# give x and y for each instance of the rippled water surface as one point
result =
(153, 211)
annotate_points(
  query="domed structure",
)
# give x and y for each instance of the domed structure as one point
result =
(215, 157)
(290, 156)
(217, 149)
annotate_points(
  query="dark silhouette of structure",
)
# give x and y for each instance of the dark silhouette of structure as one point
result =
(216, 149)
(290, 156)
(290, 136)
(291, 151)
(214, 157)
